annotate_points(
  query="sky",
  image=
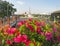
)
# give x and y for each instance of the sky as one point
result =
(36, 6)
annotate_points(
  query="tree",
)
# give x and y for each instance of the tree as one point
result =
(6, 9)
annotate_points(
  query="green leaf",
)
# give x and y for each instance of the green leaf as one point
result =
(7, 45)
(38, 44)
(34, 26)
(22, 28)
(56, 45)
(3, 41)
(31, 44)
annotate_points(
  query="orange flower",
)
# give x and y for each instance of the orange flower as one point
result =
(18, 33)
(0, 28)
(6, 27)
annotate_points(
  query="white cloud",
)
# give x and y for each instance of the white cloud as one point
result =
(5, 0)
(20, 3)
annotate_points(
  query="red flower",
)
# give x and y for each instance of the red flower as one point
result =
(31, 28)
(37, 23)
(30, 19)
(54, 29)
(24, 38)
(20, 38)
(8, 42)
(20, 24)
(38, 30)
(42, 23)
(17, 39)
(11, 31)
(28, 42)
(48, 35)
(42, 33)
(27, 24)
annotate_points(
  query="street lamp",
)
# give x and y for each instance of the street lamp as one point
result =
(7, 14)
(8, 11)
(7, 8)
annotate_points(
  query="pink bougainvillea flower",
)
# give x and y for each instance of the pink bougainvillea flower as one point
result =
(28, 42)
(42, 33)
(27, 24)
(42, 23)
(38, 30)
(31, 28)
(30, 19)
(8, 42)
(20, 38)
(17, 39)
(48, 36)
(24, 21)
(11, 31)
(24, 38)
(54, 29)
(20, 24)
(37, 23)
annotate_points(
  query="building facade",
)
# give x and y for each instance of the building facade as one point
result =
(55, 16)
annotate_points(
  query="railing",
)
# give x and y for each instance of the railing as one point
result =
(8, 21)
(16, 18)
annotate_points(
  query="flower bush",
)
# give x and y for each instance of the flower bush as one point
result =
(31, 33)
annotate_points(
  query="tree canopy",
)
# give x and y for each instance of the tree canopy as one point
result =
(6, 9)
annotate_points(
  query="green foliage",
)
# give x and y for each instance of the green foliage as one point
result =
(6, 9)
(31, 44)
(22, 28)
(38, 44)
(34, 26)
(36, 15)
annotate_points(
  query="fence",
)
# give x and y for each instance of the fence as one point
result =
(8, 21)
(16, 18)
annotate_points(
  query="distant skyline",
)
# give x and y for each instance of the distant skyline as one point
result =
(36, 6)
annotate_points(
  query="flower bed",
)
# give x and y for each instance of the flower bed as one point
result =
(31, 33)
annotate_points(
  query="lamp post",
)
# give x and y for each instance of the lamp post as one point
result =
(7, 8)
(8, 14)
